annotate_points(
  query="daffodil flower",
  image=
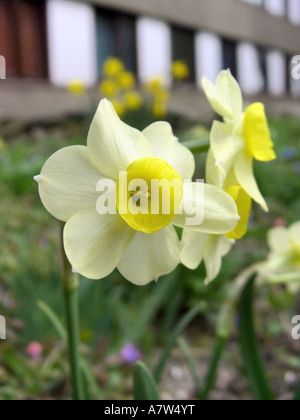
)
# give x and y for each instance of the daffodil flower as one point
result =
(180, 70)
(197, 247)
(241, 137)
(76, 87)
(284, 246)
(144, 246)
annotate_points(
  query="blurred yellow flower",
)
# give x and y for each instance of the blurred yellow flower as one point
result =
(155, 84)
(133, 101)
(112, 67)
(240, 138)
(76, 87)
(126, 80)
(161, 95)
(119, 107)
(180, 70)
(108, 88)
(159, 109)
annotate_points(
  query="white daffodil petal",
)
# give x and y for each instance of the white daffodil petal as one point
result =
(225, 146)
(279, 240)
(225, 97)
(192, 244)
(229, 92)
(213, 172)
(216, 247)
(207, 209)
(243, 170)
(112, 144)
(94, 243)
(68, 181)
(216, 102)
(166, 146)
(150, 256)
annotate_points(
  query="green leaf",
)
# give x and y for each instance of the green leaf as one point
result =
(191, 363)
(62, 334)
(197, 145)
(249, 346)
(54, 320)
(219, 347)
(181, 326)
(145, 388)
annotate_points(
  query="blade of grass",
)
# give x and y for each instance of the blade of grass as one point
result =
(181, 326)
(219, 347)
(191, 363)
(249, 345)
(145, 388)
(62, 334)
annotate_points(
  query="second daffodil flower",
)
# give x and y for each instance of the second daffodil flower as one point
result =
(142, 246)
(240, 138)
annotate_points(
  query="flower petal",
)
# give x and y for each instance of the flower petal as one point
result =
(207, 209)
(279, 240)
(244, 205)
(216, 247)
(295, 232)
(192, 244)
(94, 243)
(68, 181)
(243, 170)
(225, 97)
(257, 133)
(166, 146)
(213, 171)
(112, 144)
(225, 146)
(150, 256)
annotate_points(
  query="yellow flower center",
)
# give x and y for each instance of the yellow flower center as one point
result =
(257, 133)
(244, 205)
(149, 194)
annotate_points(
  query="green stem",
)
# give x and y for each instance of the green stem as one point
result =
(70, 288)
(211, 376)
(249, 345)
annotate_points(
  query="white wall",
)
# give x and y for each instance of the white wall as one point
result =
(276, 72)
(249, 71)
(275, 7)
(71, 42)
(154, 49)
(209, 56)
(294, 11)
(255, 2)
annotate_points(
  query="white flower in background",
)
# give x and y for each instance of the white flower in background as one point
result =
(240, 138)
(284, 246)
(144, 246)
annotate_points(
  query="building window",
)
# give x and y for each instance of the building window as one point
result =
(263, 64)
(230, 56)
(116, 37)
(23, 38)
(183, 48)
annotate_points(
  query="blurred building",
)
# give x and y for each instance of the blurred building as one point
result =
(63, 40)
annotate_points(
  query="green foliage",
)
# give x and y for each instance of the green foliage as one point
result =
(145, 388)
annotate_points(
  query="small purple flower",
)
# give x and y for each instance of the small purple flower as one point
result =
(130, 354)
